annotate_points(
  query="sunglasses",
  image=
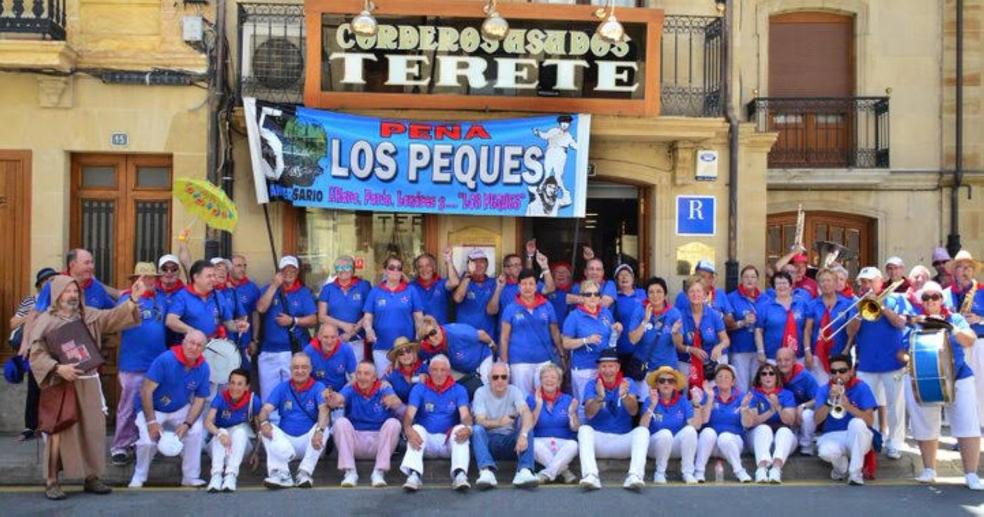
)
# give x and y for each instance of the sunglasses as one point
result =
(500, 377)
(405, 351)
(839, 370)
(394, 268)
(171, 269)
(933, 297)
(432, 333)
(343, 268)
(767, 373)
(666, 380)
(592, 294)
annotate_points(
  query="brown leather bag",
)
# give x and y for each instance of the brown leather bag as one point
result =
(58, 408)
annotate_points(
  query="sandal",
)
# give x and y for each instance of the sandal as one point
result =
(54, 492)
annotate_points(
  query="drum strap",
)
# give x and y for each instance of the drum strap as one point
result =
(291, 390)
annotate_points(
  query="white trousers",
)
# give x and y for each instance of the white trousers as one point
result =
(227, 461)
(632, 445)
(274, 368)
(962, 413)
(191, 454)
(725, 445)
(845, 450)
(976, 364)
(808, 429)
(382, 362)
(580, 379)
(526, 376)
(745, 363)
(887, 387)
(664, 445)
(283, 448)
(555, 454)
(770, 446)
(437, 445)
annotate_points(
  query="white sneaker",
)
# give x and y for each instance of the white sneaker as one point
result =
(855, 478)
(699, 476)
(542, 478)
(279, 479)
(525, 479)
(689, 479)
(135, 483)
(350, 479)
(590, 482)
(568, 476)
(304, 480)
(633, 482)
(215, 484)
(761, 475)
(194, 483)
(378, 479)
(659, 478)
(837, 475)
(807, 450)
(893, 453)
(743, 476)
(926, 476)
(973, 482)
(775, 475)
(413, 482)
(461, 481)
(486, 480)
(229, 483)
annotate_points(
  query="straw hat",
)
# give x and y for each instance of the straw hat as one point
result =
(141, 269)
(401, 343)
(964, 256)
(654, 376)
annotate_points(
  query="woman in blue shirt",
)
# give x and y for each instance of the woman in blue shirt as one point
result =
(391, 310)
(672, 422)
(649, 331)
(742, 332)
(340, 304)
(407, 369)
(780, 321)
(723, 435)
(769, 411)
(434, 291)
(701, 338)
(555, 425)
(627, 298)
(586, 333)
(529, 334)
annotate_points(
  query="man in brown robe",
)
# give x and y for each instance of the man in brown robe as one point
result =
(79, 450)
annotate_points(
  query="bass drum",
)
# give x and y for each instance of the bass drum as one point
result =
(931, 366)
(222, 357)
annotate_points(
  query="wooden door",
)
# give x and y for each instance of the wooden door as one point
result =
(853, 231)
(16, 280)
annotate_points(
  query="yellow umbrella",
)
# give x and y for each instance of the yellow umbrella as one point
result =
(208, 202)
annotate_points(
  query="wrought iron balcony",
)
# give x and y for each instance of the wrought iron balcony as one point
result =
(690, 66)
(45, 18)
(825, 132)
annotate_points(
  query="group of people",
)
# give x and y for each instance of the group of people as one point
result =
(527, 366)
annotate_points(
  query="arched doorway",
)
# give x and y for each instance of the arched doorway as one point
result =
(856, 232)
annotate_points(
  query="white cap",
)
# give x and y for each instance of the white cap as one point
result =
(288, 260)
(929, 287)
(169, 444)
(869, 273)
(219, 260)
(168, 258)
(477, 254)
(624, 267)
(706, 265)
(894, 261)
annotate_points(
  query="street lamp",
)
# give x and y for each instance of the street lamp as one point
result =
(495, 26)
(364, 23)
(610, 29)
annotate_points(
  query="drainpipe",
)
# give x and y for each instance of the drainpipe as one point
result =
(216, 242)
(953, 240)
(731, 266)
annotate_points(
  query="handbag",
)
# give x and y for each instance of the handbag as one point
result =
(57, 408)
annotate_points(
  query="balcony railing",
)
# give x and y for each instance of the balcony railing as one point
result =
(44, 18)
(825, 132)
(690, 66)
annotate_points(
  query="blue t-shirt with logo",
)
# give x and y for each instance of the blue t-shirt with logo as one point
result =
(226, 416)
(140, 345)
(176, 383)
(434, 298)
(711, 324)
(957, 300)
(625, 306)
(878, 341)
(555, 419)
(202, 313)
(345, 304)
(760, 402)
(298, 409)
(300, 303)
(530, 340)
(580, 324)
(401, 386)
(655, 348)
(248, 294)
(367, 414)
(332, 371)
(392, 313)
(471, 310)
(671, 415)
(860, 396)
(772, 320)
(726, 415)
(465, 351)
(743, 339)
(612, 417)
(438, 412)
(803, 386)
(815, 311)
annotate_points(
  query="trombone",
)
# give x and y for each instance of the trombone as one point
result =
(869, 309)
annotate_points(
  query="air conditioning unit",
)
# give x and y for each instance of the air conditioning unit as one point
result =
(272, 52)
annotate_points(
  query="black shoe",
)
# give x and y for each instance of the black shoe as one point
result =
(27, 434)
(120, 459)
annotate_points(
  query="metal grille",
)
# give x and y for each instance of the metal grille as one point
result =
(46, 18)
(690, 66)
(98, 227)
(151, 232)
(271, 43)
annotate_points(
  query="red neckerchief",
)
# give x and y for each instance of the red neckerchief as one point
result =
(220, 286)
(589, 312)
(566, 286)
(824, 342)
(848, 291)
(238, 283)
(178, 285)
(235, 406)
(673, 400)
(548, 398)
(656, 312)
(191, 289)
(292, 287)
(179, 353)
(82, 284)
(308, 384)
(614, 384)
(696, 377)
(430, 348)
(511, 281)
(751, 295)
(797, 368)
(479, 278)
(369, 393)
(957, 291)
(443, 387)
(790, 334)
(409, 371)
(717, 395)
(850, 384)
(399, 287)
(426, 284)
(774, 391)
(538, 300)
(316, 344)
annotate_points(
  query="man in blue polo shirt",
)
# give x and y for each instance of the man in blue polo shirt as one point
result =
(139, 346)
(370, 428)
(803, 385)
(80, 265)
(610, 404)
(473, 294)
(434, 291)
(303, 428)
(284, 327)
(340, 303)
(331, 363)
(437, 423)
(845, 441)
(198, 306)
(171, 400)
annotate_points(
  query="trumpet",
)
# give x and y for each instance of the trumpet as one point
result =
(869, 309)
(837, 410)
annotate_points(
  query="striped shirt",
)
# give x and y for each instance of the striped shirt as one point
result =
(26, 304)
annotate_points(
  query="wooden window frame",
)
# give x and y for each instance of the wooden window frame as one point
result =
(22, 283)
(868, 227)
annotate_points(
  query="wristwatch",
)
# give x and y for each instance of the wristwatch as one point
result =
(319, 429)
